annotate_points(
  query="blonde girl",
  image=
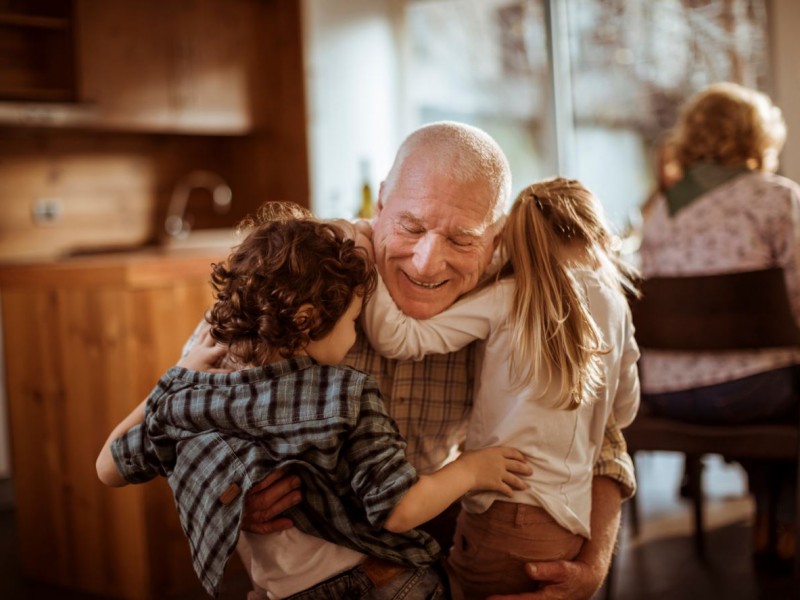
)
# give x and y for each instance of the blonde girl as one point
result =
(559, 361)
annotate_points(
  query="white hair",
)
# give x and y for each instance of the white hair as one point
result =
(468, 153)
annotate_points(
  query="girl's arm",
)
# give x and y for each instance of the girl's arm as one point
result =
(396, 335)
(486, 469)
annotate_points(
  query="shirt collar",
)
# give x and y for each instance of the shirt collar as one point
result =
(700, 179)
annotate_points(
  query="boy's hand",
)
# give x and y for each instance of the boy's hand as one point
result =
(495, 468)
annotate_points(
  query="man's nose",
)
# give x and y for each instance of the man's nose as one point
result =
(429, 254)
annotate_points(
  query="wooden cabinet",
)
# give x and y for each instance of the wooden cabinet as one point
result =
(85, 341)
(169, 65)
(163, 66)
(37, 49)
(221, 83)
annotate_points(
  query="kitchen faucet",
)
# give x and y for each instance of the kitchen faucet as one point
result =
(176, 224)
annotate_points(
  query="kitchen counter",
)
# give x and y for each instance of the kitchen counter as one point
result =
(135, 268)
(86, 338)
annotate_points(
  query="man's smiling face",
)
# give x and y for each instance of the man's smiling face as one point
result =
(433, 237)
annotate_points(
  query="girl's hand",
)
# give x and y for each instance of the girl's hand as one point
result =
(360, 231)
(205, 354)
(497, 468)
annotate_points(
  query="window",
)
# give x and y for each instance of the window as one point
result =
(622, 68)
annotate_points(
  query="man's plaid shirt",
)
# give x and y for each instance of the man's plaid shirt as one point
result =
(431, 400)
(216, 435)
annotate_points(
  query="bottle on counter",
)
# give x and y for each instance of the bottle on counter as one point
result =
(367, 208)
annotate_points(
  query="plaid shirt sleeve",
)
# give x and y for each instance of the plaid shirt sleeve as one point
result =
(131, 456)
(615, 462)
(134, 453)
(376, 451)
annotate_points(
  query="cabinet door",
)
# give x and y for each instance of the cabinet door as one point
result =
(78, 359)
(214, 65)
(167, 65)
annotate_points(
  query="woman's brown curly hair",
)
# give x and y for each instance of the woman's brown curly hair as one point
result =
(728, 124)
(289, 259)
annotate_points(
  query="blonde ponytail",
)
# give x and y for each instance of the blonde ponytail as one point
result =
(555, 339)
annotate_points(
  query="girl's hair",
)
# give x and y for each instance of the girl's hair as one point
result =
(728, 124)
(288, 259)
(554, 334)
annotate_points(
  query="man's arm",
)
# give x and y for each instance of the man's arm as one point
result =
(579, 579)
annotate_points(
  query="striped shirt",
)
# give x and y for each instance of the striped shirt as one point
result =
(216, 435)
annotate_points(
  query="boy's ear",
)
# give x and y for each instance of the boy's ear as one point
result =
(304, 317)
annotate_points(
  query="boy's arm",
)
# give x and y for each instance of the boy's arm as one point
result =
(396, 335)
(394, 497)
(201, 353)
(106, 468)
(485, 469)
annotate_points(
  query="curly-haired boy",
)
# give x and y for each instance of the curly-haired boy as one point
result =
(287, 301)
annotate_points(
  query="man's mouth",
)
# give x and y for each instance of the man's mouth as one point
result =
(425, 284)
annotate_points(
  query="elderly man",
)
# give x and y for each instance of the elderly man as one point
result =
(438, 219)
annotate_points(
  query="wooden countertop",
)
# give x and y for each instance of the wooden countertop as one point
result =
(145, 267)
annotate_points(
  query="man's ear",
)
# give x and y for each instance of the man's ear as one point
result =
(498, 232)
(379, 203)
(304, 317)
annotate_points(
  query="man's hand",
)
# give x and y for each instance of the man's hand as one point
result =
(268, 499)
(560, 580)
(205, 354)
(579, 579)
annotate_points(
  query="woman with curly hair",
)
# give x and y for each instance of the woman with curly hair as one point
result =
(287, 301)
(729, 212)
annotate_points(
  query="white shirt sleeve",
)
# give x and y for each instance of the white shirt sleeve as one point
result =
(626, 401)
(395, 335)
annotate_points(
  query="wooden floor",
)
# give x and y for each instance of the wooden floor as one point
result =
(659, 565)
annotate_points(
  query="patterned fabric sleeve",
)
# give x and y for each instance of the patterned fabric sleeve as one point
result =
(376, 451)
(134, 452)
(615, 462)
(132, 458)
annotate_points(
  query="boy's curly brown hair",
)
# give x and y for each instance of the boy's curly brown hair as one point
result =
(288, 259)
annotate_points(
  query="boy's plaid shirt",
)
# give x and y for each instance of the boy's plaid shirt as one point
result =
(216, 435)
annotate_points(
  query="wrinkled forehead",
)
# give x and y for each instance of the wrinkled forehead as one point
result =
(425, 188)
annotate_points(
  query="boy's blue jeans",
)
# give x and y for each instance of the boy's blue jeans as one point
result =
(421, 583)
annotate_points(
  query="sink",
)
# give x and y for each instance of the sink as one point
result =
(204, 239)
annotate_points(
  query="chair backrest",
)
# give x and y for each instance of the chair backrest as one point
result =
(732, 311)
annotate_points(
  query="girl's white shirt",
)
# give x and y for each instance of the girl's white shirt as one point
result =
(561, 446)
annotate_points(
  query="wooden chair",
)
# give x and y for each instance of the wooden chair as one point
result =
(718, 312)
